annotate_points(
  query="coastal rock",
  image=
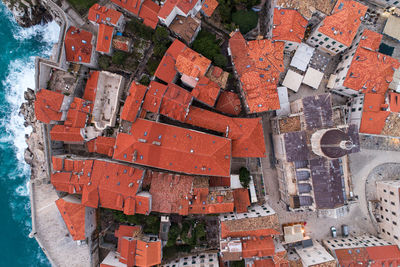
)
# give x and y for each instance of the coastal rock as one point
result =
(28, 12)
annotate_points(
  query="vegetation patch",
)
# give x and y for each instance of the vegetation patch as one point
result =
(82, 6)
(207, 45)
(136, 28)
(150, 223)
(246, 19)
(244, 177)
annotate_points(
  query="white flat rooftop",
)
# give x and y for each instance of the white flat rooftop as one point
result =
(314, 255)
(292, 80)
(392, 27)
(313, 78)
(284, 102)
(302, 57)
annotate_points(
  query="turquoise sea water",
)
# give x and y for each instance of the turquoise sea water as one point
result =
(18, 49)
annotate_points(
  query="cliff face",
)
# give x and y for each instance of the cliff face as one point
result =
(28, 12)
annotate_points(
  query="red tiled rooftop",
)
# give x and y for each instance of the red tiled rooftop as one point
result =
(175, 102)
(247, 228)
(246, 133)
(289, 25)
(373, 117)
(132, 6)
(122, 43)
(258, 247)
(77, 113)
(192, 64)
(229, 103)
(91, 86)
(263, 263)
(206, 91)
(173, 148)
(371, 40)
(102, 145)
(104, 38)
(242, 199)
(78, 45)
(148, 12)
(166, 69)
(209, 7)
(184, 5)
(102, 14)
(370, 72)
(364, 256)
(258, 64)
(220, 181)
(48, 105)
(133, 102)
(73, 215)
(342, 25)
(153, 99)
(66, 134)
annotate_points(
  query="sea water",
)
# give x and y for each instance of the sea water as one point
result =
(18, 49)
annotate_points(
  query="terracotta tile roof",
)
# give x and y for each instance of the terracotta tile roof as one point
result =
(166, 69)
(122, 43)
(242, 199)
(344, 22)
(289, 25)
(229, 103)
(104, 38)
(134, 250)
(217, 75)
(58, 164)
(104, 15)
(102, 145)
(258, 64)
(206, 91)
(78, 45)
(308, 7)
(153, 99)
(91, 87)
(175, 102)
(132, 6)
(394, 102)
(77, 113)
(133, 102)
(246, 133)
(371, 40)
(48, 106)
(148, 12)
(73, 215)
(184, 5)
(192, 64)
(373, 117)
(363, 256)
(258, 226)
(66, 134)
(370, 72)
(173, 148)
(258, 247)
(209, 6)
(263, 263)
(106, 184)
(220, 181)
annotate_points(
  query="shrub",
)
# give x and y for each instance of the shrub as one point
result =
(244, 177)
(152, 65)
(104, 62)
(145, 80)
(119, 58)
(206, 44)
(246, 19)
(220, 60)
(137, 28)
(82, 6)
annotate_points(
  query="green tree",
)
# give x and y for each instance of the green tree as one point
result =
(119, 58)
(244, 177)
(220, 60)
(104, 62)
(247, 20)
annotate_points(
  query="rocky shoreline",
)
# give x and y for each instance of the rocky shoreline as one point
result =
(28, 13)
(34, 153)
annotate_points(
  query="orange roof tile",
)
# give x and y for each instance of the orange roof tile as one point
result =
(61, 181)
(133, 102)
(77, 113)
(394, 102)
(48, 106)
(242, 199)
(227, 232)
(371, 40)
(370, 72)
(57, 164)
(220, 181)
(134, 251)
(246, 133)
(132, 6)
(258, 64)
(78, 45)
(148, 12)
(373, 117)
(289, 25)
(192, 64)
(153, 99)
(74, 218)
(102, 145)
(66, 134)
(258, 247)
(166, 69)
(342, 25)
(101, 14)
(209, 6)
(206, 91)
(173, 148)
(184, 5)
(229, 103)
(104, 38)
(175, 102)
(91, 86)
(364, 256)
(263, 263)
(122, 43)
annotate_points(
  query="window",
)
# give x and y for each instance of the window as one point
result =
(328, 46)
(333, 42)
(319, 35)
(391, 202)
(393, 213)
(340, 46)
(321, 42)
(384, 190)
(391, 193)
(326, 39)
(394, 223)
